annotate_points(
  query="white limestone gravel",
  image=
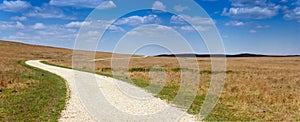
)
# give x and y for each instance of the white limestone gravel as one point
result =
(99, 98)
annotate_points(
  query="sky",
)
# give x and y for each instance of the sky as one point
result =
(151, 27)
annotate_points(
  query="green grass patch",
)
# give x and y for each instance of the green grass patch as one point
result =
(181, 69)
(106, 69)
(215, 72)
(222, 112)
(139, 70)
(42, 100)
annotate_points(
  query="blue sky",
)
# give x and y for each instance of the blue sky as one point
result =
(246, 26)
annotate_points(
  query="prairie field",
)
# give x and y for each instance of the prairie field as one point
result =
(258, 89)
(27, 93)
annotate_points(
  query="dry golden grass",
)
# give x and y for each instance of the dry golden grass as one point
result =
(256, 89)
(12, 52)
(263, 88)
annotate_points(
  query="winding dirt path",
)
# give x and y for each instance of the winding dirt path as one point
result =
(99, 98)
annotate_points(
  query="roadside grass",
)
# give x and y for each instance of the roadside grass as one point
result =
(39, 96)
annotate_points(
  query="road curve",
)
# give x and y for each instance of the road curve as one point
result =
(99, 98)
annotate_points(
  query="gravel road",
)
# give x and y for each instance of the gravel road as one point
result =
(99, 98)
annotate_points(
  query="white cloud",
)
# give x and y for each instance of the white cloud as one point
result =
(159, 6)
(263, 26)
(104, 4)
(138, 20)
(292, 14)
(197, 28)
(55, 34)
(94, 26)
(5, 26)
(193, 19)
(188, 28)
(150, 31)
(116, 28)
(255, 12)
(39, 26)
(243, 3)
(77, 24)
(47, 11)
(234, 23)
(251, 9)
(22, 18)
(19, 25)
(179, 8)
(252, 31)
(107, 5)
(14, 6)
(177, 20)
(199, 23)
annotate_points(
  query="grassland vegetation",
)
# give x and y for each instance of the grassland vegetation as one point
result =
(27, 93)
(256, 89)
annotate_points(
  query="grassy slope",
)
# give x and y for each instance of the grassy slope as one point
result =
(30, 94)
(42, 100)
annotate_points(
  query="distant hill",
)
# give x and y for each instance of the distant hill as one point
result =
(222, 55)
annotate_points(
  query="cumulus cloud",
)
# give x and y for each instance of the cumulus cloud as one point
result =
(93, 26)
(14, 6)
(11, 25)
(19, 25)
(60, 34)
(251, 9)
(194, 19)
(77, 24)
(150, 31)
(263, 26)
(22, 18)
(179, 8)
(39, 26)
(191, 28)
(107, 5)
(37, 32)
(159, 6)
(243, 3)
(235, 23)
(255, 12)
(47, 11)
(293, 14)
(104, 4)
(199, 23)
(115, 28)
(138, 20)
